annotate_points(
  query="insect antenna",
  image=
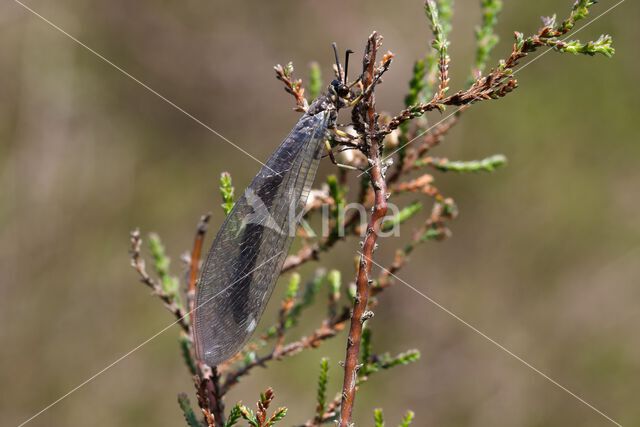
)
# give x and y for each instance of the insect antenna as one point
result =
(346, 65)
(335, 53)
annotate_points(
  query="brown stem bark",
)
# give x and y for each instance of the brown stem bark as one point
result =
(207, 380)
(194, 261)
(207, 384)
(137, 262)
(366, 115)
(327, 330)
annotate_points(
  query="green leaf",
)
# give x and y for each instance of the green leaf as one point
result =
(338, 193)
(418, 89)
(488, 164)
(439, 16)
(187, 411)
(431, 78)
(248, 415)
(551, 32)
(431, 10)
(579, 11)
(405, 358)
(294, 285)
(366, 346)
(277, 416)
(431, 234)
(226, 191)
(250, 357)
(352, 290)
(446, 15)
(185, 347)
(405, 214)
(408, 418)
(519, 40)
(315, 80)
(288, 69)
(310, 290)
(170, 285)
(603, 46)
(308, 296)
(234, 416)
(486, 38)
(321, 395)
(335, 283)
(416, 84)
(378, 418)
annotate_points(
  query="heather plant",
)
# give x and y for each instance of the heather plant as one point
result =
(387, 155)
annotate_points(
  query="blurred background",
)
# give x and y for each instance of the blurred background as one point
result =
(544, 258)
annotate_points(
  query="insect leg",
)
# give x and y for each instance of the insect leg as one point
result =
(329, 149)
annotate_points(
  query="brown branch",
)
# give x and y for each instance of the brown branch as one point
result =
(443, 211)
(209, 395)
(281, 328)
(207, 379)
(311, 252)
(194, 260)
(497, 84)
(329, 413)
(430, 138)
(328, 329)
(137, 262)
(422, 184)
(304, 255)
(372, 137)
(366, 122)
(291, 86)
(433, 138)
(333, 407)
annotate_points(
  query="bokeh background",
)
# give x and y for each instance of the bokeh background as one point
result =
(544, 258)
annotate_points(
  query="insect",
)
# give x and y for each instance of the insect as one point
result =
(246, 257)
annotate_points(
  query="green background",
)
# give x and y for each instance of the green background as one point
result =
(544, 257)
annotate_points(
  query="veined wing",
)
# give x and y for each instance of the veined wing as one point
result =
(246, 256)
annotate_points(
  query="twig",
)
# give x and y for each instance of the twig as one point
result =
(209, 394)
(366, 122)
(207, 379)
(139, 265)
(291, 86)
(440, 44)
(285, 308)
(430, 140)
(434, 228)
(328, 414)
(327, 330)
(311, 252)
(194, 260)
(371, 364)
(499, 82)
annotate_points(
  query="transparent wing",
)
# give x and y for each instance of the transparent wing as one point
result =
(246, 256)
